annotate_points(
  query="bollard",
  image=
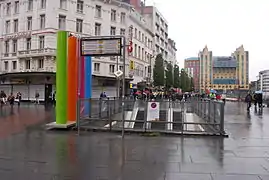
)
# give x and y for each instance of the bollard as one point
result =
(108, 106)
(78, 116)
(145, 126)
(222, 132)
(109, 119)
(114, 106)
(100, 107)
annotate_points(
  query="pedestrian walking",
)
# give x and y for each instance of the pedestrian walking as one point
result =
(248, 100)
(3, 97)
(18, 98)
(11, 99)
(36, 98)
(255, 99)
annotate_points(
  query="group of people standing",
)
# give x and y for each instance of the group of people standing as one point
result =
(11, 98)
(256, 98)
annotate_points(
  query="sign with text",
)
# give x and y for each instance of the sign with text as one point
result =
(153, 111)
(132, 65)
(101, 46)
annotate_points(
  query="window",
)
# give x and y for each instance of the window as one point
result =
(113, 15)
(122, 17)
(15, 45)
(27, 64)
(135, 51)
(63, 4)
(139, 53)
(135, 35)
(17, 7)
(42, 21)
(7, 27)
(122, 32)
(146, 41)
(8, 8)
(43, 4)
(121, 68)
(41, 42)
(40, 63)
(30, 5)
(28, 44)
(112, 31)
(29, 23)
(98, 11)
(97, 29)
(6, 65)
(79, 25)
(6, 47)
(80, 5)
(143, 53)
(96, 67)
(16, 25)
(113, 58)
(111, 68)
(62, 22)
(14, 65)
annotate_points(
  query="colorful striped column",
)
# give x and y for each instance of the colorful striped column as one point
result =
(82, 83)
(88, 84)
(72, 79)
(61, 78)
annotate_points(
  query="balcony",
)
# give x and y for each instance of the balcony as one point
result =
(37, 53)
(34, 69)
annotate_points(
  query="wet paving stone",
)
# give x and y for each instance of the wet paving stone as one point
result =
(235, 177)
(186, 176)
(29, 152)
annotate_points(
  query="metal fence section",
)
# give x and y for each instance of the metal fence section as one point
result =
(192, 117)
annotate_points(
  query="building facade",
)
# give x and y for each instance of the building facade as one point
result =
(263, 83)
(242, 71)
(206, 70)
(192, 66)
(172, 52)
(28, 42)
(158, 25)
(224, 73)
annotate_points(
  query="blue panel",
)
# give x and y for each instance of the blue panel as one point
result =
(222, 61)
(192, 59)
(88, 84)
(224, 81)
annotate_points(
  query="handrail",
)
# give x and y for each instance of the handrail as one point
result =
(134, 114)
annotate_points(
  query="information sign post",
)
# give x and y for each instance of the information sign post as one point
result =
(101, 46)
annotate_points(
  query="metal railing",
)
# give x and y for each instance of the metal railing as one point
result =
(195, 116)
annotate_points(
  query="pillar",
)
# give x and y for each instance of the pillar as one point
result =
(82, 83)
(72, 79)
(88, 84)
(61, 78)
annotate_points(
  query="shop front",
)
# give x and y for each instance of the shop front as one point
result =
(28, 84)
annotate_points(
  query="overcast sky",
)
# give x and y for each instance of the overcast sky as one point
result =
(222, 25)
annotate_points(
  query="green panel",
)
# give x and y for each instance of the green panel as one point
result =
(61, 78)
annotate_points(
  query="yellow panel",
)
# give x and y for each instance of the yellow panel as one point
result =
(132, 65)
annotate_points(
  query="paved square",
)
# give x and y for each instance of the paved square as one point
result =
(27, 151)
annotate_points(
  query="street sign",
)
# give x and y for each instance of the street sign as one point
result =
(132, 65)
(153, 111)
(98, 46)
